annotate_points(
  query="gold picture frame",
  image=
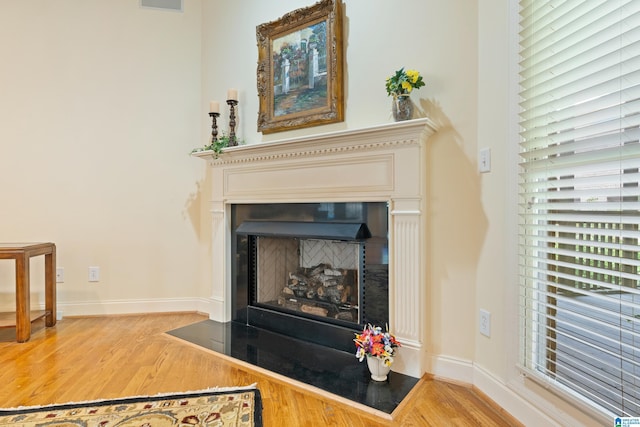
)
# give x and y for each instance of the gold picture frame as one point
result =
(299, 74)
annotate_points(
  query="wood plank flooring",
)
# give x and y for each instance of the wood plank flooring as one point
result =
(118, 356)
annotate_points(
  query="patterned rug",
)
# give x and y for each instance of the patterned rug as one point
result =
(214, 407)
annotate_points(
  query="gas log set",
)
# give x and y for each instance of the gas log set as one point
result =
(322, 291)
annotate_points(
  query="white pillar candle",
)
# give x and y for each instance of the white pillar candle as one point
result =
(232, 94)
(214, 107)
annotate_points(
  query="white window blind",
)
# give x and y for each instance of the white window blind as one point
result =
(579, 259)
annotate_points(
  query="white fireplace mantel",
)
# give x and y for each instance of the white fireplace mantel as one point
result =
(381, 163)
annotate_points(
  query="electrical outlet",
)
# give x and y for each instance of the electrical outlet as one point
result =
(94, 274)
(59, 275)
(485, 323)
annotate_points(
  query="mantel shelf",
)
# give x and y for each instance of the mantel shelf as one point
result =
(409, 130)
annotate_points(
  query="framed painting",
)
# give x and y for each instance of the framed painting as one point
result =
(299, 75)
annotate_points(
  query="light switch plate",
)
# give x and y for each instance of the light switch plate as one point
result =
(484, 160)
(94, 274)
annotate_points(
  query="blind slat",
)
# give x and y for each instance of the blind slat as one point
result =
(579, 207)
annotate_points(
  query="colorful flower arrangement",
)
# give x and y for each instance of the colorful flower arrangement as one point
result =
(373, 342)
(403, 82)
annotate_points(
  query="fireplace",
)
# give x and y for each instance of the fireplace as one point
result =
(314, 271)
(375, 178)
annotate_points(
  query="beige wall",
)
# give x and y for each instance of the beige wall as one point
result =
(101, 102)
(438, 39)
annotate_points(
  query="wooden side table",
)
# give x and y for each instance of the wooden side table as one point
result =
(22, 318)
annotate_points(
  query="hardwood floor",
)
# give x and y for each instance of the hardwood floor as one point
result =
(117, 356)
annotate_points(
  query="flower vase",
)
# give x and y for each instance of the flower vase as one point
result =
(378, 369)
(402, 108)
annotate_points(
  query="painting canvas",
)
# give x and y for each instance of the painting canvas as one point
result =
(300, 69)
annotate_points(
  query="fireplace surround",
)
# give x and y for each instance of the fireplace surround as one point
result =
(382, 164)
(316, 278)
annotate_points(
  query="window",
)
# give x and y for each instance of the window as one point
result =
(580, 200)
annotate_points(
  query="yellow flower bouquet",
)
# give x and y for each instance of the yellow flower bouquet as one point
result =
(403, 82)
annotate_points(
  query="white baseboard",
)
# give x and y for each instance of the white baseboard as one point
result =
(466, 372)
(452, 369)
(114, 307)
(510, 400)
(408, 359)
(216, 309)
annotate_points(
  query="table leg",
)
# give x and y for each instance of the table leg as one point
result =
(23, 303)
(50, 287)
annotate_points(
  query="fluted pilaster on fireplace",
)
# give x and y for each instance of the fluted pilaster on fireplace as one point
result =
(220, 293)
(386, 163)
(408, 250)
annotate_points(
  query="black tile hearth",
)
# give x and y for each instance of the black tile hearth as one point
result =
(335, 371)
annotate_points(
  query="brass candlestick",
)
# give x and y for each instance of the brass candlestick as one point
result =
(232, 122)
(214, 127)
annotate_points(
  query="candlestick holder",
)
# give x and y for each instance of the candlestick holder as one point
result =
(232, 122)
(214, 127)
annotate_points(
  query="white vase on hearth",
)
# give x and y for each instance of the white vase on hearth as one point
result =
(377, 368)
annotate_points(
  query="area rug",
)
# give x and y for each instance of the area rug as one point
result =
(213, 407)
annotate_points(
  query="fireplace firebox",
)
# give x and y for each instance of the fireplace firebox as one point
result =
(314, 271)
